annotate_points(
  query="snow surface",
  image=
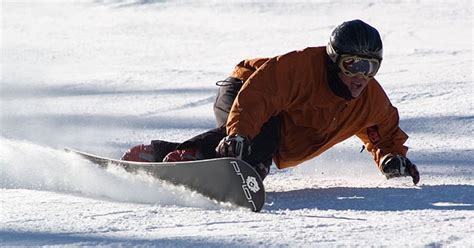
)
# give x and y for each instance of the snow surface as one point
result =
(101, 76)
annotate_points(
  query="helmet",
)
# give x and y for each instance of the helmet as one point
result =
(355, 38)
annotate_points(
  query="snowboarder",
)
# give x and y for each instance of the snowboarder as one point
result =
(293, 107)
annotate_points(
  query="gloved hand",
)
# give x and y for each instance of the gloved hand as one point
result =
(397, 166)
(236, 145)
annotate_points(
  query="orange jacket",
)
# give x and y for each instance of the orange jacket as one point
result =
(314, 119)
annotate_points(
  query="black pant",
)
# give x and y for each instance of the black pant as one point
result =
(263, 146)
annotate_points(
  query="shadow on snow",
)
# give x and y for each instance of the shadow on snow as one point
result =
(19, 238)
(438, 197)
(38, 91)
(447, 124)
(109, 121)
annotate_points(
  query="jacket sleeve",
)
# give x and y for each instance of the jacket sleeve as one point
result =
(247, 67)
(385, 136)
(264, 94)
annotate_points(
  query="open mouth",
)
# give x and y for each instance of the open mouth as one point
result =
(356, 86)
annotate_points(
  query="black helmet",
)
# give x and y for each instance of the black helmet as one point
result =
(355, 38)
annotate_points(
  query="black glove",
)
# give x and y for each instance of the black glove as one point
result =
(397, 166)
(236, 145)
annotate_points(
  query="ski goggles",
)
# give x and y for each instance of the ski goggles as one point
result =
(352, 66)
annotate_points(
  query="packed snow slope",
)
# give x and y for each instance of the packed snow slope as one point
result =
(101, 76)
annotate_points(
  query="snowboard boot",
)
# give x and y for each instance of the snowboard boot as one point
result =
(188, 154)
(263, 168)
(140, 153)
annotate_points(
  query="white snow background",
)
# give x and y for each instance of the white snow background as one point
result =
(102, 76)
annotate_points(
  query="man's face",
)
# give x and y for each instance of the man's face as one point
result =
(356, 84)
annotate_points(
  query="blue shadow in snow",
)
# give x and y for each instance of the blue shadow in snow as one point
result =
(18, 238)
(438, 197)
(110, 121)
(39, 91)
(448, 124)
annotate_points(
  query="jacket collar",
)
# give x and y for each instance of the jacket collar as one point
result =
(336, 85)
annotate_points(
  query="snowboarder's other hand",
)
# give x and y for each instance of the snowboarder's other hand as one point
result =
(236, 145)
(397, 166)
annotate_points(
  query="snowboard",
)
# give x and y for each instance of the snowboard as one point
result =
(221, 179)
